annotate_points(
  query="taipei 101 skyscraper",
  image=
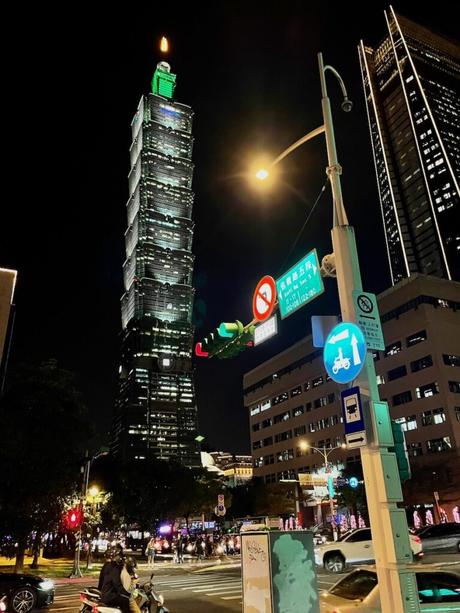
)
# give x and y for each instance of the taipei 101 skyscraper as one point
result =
(156, 413)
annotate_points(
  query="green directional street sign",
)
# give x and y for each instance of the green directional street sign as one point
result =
(299, 285)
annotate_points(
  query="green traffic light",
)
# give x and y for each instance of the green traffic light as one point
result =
(225, 330)
(230, 330)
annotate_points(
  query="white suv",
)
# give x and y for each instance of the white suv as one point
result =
(354, 547)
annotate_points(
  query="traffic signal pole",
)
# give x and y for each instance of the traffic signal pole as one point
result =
(390, 535)
(76, 571)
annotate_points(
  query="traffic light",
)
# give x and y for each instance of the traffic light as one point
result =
(400, 450)
(238, 343)
(74, 518)
(226, 341)
(226, 330)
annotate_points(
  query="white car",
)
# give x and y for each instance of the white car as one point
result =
(438, 590)
(354, 547)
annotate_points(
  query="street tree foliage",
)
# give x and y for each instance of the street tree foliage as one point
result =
(354, 499)
(148, 492)
(45, 430)
(256, 498)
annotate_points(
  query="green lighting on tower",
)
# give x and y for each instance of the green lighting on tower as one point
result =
(164, 81)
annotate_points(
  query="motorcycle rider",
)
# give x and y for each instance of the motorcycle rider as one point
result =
(129, 580)
(109, 555)
(113, 594)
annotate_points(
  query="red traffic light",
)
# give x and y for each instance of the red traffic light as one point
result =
(74, 518)
(199, 351)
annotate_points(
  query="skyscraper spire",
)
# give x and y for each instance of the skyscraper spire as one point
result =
(163, 81)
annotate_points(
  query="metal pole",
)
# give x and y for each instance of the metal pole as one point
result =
(297, 501)
(397, 586)
(335, 535)
(76, 571)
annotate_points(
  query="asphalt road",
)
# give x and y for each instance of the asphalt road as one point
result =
(213, 591)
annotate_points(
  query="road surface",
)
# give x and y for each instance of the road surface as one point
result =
(209, 590)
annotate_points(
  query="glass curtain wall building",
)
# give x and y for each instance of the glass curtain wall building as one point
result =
(412, 87)
(156, 414)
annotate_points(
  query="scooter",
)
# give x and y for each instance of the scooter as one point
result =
(148, 600)
(90, 597)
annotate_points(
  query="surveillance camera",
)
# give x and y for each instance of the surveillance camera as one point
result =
(328, 265)
(347, 105)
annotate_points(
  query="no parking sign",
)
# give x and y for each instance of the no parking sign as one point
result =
(264, 299)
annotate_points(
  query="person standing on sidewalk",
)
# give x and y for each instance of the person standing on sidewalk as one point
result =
(150, 552)
(180, 550)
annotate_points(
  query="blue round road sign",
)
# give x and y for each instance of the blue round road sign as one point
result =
(344, 352)
(353, 482)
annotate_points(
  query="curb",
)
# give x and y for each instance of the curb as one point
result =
(217, 567)
(64, 580)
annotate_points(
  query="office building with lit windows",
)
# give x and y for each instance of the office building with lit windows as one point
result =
(412, 89)
(156, 414)
(291, 400)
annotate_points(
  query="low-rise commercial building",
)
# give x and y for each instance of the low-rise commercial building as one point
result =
(292, 401)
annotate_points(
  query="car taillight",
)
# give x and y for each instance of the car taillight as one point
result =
(2, 606)
(417, 539)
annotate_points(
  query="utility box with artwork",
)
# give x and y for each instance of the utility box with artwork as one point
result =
(278, 572)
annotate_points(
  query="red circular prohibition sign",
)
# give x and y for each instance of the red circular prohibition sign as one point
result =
(264, 299)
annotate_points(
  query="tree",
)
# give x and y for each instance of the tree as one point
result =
(354, 499)
(147, 492)
(256, 498)
(44, 430)
(196, 493)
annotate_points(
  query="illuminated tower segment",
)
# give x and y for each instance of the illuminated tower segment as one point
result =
(156, 412)
(412, 87)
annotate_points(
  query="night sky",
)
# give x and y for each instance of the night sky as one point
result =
(249, 71)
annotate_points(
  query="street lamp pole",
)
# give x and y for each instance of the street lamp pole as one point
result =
(326, 452)
(86, 467)
(398, 590)
(76, 570)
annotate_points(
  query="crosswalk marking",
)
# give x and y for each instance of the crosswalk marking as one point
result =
(230, 586)
(226, 587)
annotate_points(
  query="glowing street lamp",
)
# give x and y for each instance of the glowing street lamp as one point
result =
(93, 491)
(262, 174)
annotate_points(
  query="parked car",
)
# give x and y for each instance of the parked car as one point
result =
(354, 547)
(26, 592)
(442, 538)
(358, 591)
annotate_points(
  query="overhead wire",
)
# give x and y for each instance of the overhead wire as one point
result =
(299, 234)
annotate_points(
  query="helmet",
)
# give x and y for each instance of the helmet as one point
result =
(115, 554)
(131, 565)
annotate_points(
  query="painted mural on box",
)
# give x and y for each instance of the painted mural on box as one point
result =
(293, 571)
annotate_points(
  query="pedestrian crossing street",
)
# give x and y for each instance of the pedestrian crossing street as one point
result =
(217, 584)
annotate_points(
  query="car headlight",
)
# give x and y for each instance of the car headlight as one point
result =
(46, 585)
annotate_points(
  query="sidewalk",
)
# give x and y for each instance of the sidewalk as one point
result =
(192, 563)
(56, 568)
(59, 569)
